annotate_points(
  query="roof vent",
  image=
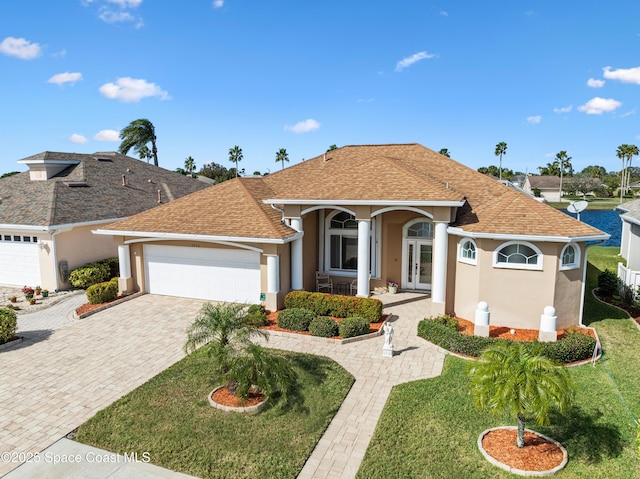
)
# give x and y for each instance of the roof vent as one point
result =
(102, 158)
(76, 184)
(124, 180)
(159, 197)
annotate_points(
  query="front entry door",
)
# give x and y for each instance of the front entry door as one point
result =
(417, 264)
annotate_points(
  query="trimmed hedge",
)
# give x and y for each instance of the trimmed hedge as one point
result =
(574, 347)
(90, 274)
(608, 282)
(338, 306)
(257, 315)
(323, 327)
(296, 319)
(350, 327)
(8, 324)
(102, 292)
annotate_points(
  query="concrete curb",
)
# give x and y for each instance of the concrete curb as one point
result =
(245, 410)
(11, 343)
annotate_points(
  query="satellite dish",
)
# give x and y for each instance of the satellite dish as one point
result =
(577, 206)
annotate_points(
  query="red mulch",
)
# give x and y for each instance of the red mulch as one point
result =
(90, 307)
(224, 397)
(538, 454)
(273, 324)
(503, 332)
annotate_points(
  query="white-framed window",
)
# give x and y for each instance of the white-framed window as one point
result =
(467, 251)
(570, 257)
(18, 238)
(517, 255)
(341, 243)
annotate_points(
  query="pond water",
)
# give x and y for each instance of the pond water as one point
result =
(605, 220)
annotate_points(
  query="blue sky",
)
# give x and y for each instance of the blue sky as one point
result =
(541, 75)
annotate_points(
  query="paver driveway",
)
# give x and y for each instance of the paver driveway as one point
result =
(52, 383)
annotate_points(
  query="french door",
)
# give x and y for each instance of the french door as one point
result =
(416, 267)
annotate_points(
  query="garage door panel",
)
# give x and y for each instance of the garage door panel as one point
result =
(19, 264)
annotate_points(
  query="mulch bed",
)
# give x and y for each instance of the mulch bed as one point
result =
(273, 325)
(224, 397)
(538, 454)
(633, 311)
(503, 332)
(85, 308)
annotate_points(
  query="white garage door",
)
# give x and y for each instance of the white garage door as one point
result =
(19, 263)
(203, 273)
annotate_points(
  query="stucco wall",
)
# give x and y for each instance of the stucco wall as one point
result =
(633, 260)
(624, 240)
(568, 293)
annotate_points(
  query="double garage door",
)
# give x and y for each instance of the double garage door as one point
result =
(19, 263)
(215, 274)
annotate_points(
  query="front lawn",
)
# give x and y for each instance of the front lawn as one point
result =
(429, 428)
(169, 417)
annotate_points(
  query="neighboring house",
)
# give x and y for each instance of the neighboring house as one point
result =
(549, 186)
(367, 213)
(48, 212)
(630, 243)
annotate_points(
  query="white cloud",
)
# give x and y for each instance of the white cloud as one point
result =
(564, 109)
(111, 16)
(416, 57)
(625, 75)
(629, 113)
(365, 100)
(593, 83)
(126, 3)
(66, 77)
(76, 138)
(303, 126)
(20, 48)
(549, 155)
(444, 13)
(597, 106)
(129, 89)
(218, 3)
(61, 54)
(534, 120)
(107, 135)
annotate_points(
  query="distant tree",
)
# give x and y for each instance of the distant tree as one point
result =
(564, 162)
(626, 153)
(501, 149)
(594, 171)
(495, 171)
(182, 171)
(611, 182)
(257, 173)
(582, 184)
(190, 166)
(235, 155)
(137, 135)
(145, 153)
(216, 172)
(10, 173)
(282, 156)
(332, 147)
(552, 169)
(445, 152)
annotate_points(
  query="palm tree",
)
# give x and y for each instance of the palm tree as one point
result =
(501, 149)
(625, 153)
(632, 150)
(235, 155)
(190, 166)
(136, 135)
(282, 155)
(518, 378)
(445, 152)
(564, 161)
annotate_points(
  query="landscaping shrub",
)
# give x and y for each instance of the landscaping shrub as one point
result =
(257, 315)
(113, 265)
(608, 282)
(89, 275)
(102, 292)
(574, 347)
(324, 327)
(8, 324)
(324, 304)
(354, 326)
(627, 294)
(447, 320)
(296, 319)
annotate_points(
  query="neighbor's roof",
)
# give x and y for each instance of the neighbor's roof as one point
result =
(546, 182)
(90, 190)
(630, 210)
(369, 173)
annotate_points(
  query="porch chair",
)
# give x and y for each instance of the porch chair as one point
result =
(323, 281)
(353, 287)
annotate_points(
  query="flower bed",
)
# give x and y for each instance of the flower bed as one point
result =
(273, 325)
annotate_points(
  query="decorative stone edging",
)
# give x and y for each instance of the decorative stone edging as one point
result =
(107, 305)
(521, 472)
(354, 339)
(11, 343)
(593, 293)
(246, 410)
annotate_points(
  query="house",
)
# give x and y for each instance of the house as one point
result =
(48, 212)
(630, 243)
(370, 213)
(549, 186)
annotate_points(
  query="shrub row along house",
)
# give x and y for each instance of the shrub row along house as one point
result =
(48, 212)
(370, 213)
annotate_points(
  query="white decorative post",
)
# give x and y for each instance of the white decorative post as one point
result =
(387, 349)
(124, 259)
(296, 256)
(273, 273)
(548, 322)
(438, 286)
(481, 324)
(363, 258)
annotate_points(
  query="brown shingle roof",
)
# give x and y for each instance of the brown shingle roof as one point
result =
(546, 182)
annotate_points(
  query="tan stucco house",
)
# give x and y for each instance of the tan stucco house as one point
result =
(48, 212)
(371, 214)
(630, 243)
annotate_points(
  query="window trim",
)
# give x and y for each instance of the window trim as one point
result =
(353, 233)
(535, 267)
(461, 258)
(576, 262)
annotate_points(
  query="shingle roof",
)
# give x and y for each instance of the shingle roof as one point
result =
(407, 172)
(630, 209)
(91, 190)
(546, 182)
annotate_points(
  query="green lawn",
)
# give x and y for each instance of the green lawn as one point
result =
(429, 428)
(169, 417)
(594, 203)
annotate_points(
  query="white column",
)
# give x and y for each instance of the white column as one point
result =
(296, 256)
(273, 273)
(440, 245)
(363, 258)
(125, 261)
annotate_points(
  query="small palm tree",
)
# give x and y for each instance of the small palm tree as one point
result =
(501, 149)
(136, 135)
(235, 155)
(445, 152)
(520, 379)
(190, 166)
(564, 162)
(282, 156)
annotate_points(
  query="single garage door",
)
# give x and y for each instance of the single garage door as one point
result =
(19, 261)
(230, 275)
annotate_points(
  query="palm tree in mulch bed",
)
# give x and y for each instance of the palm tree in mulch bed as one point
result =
(226, 332)
(521, 380)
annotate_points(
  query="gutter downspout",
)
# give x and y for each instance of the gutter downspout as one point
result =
(281, 211)
(584, 279)
(55, 258)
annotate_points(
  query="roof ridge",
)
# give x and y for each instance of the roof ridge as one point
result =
(259, 205)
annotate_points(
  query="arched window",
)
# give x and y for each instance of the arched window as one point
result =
(467, 251)
(343, 241)
(422, 229)
(517, 255)
(570, 257)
